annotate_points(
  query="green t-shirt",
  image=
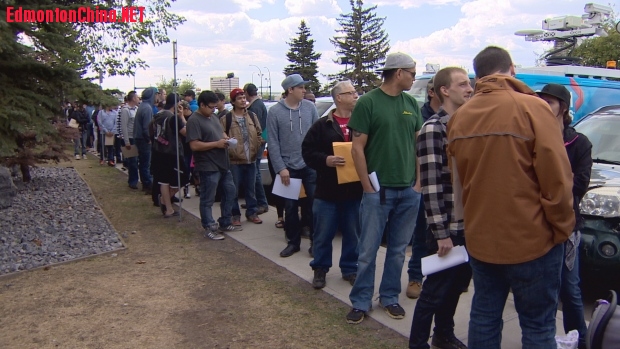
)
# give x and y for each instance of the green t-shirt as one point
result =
(390, 123)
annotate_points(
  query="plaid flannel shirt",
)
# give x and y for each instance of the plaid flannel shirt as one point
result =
(435, 176)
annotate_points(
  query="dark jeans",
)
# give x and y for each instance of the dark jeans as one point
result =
(535, 286)
(144, 161)
(418, 246)
(209, 182)
(329, 217)
(278, 201)
(118, 143)
(570, 295)
(245, 174)
(439, 298)
(132, 166)
(292, 226)
(261, 198)
(80, 142)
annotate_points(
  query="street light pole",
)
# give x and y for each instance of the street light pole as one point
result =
(269, 71)
(261, 78)
(252, 77)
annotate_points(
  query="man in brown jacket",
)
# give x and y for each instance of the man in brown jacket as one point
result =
(512, 176)
(245, 128)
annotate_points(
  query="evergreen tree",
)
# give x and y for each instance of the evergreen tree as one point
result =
(303, 58)
(363, 43)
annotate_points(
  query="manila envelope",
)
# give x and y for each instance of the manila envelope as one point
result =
(346, 173)
(109, 140)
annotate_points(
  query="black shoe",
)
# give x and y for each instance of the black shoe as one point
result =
(395, 311)
(163, 207)
(350, 278)
(310, 250)
(174, 199)
(447, 342)
(305, 232)
(244, 206)
(289, 251)
(318, 281)
(133, 186)
(355, 316)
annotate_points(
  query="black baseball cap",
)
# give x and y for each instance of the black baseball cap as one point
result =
(556, 90)
(190, 93)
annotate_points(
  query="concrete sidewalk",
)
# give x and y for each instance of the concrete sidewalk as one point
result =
(268, 241)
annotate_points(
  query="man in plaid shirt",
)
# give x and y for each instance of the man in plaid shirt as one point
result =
(441, 290)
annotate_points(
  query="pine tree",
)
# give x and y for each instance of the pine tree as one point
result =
(303, 58)
(363, 43)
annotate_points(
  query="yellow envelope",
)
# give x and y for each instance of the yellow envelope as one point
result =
(302, 192)
(346, 173)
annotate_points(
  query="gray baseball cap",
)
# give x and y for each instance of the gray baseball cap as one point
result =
(398, 60)
(292, 81)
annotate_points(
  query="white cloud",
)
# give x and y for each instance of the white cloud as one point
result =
(312, 7)
(412, 3)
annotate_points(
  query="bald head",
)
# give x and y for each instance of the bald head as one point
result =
(310, 96)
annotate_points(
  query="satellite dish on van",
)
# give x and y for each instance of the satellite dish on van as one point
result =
(527, 32)
(618, 27)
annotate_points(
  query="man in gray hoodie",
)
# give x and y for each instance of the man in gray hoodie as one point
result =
(287, 125)
(141, 136)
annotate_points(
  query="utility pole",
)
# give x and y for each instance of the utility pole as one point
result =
(269, 71)
(261, 78)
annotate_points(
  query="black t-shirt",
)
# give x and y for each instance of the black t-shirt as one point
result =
(207, 129)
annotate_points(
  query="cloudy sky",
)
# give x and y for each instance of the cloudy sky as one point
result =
(229, 36)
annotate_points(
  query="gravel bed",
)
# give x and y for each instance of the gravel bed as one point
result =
(53, 219)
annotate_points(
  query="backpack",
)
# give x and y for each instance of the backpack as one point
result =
(604, 329)
(163, 134)
(229, 120)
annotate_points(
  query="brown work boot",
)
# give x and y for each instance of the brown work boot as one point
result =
(414, 289)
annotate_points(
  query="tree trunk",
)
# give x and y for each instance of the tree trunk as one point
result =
(25, 172)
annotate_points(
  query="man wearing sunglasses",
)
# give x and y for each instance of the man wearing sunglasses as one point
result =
(385, 125)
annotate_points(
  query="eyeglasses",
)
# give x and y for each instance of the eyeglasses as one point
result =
(211, 106)
(350, 93)
(410, 72)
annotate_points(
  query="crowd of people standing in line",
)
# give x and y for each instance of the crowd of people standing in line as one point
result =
(447, 177)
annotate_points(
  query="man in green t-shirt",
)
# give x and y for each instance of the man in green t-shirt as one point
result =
(385, 124)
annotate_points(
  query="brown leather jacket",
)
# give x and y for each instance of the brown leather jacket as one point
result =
(508, 158)
(237, 155)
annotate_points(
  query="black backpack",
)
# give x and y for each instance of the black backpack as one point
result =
(163, 134)
(604, 329)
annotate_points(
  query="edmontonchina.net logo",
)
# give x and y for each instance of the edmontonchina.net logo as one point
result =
(81, 14)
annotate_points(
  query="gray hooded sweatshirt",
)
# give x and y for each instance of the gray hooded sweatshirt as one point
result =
(287, 128)
(144, 114)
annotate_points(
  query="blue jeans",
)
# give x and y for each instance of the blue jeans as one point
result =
(261, 198)
(132, 166)
(244, 174)
(535, 286)
(292, 226)
(209, 182)
(144, 161)
(80, 141)
(439, 298)
(400, 205)
(329, 217)
(570, 295)
(418, 246)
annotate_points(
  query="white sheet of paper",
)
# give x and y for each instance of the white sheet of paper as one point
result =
(374, 181)
(434, 263)
(232, 143)
(290, 192)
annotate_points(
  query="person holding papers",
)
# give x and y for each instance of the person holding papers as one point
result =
(336, 206)
(441, 290)
(384, 125)
(288, 121)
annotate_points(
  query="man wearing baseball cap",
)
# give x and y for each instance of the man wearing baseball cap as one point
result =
(190, 96)
(385, 125)
(287, 124)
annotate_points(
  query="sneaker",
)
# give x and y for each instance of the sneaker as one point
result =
(414, 289)
(395, 311)
(77, 157)
(186, 192)
(350, 278)
(254, 219)
(229, 229)
(111, 163)
(355, 316)
(213, 235)
(318, 281)
(236, 221)
(83, 156)
(262, 209)
(101, 162)
(446, 342)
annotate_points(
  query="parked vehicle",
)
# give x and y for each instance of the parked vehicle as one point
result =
(600, 207)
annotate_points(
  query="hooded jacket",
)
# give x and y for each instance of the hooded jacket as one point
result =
(144, 114)
(508, 158)
(237, 154)
(287, 128)
(316, 147)
(579, 150)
